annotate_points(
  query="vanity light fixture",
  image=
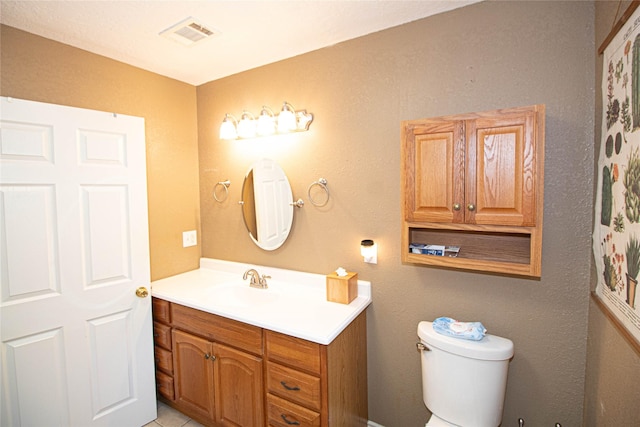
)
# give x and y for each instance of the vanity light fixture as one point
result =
(266, 122)
(228, 127)
(289, 120)
(369, 250)
(247, 125)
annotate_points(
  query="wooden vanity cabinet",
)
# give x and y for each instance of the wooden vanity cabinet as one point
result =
(163, 348)
(475, 181)
(218, 368)
(313, 385)
(227, 373)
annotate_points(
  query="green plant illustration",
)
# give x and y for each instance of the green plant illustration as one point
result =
(632, 253)
(632, 187)
(618, 223)
(612, 261)
(635, 82)
(625, 118)
(609, 273)
(607, 198)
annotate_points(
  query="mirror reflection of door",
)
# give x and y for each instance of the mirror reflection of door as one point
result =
(272, 198)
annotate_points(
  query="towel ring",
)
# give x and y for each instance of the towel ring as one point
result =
(225, 185)
(322, 183)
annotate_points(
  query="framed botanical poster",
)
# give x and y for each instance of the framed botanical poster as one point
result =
(616, 234)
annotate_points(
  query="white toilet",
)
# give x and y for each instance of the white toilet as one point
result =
(463, 381)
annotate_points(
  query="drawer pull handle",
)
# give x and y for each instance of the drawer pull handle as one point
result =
(294, 388)
(291, 423)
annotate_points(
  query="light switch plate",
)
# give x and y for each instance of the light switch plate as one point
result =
(189, 238)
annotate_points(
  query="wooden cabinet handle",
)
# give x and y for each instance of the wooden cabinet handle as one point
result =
(291, 423)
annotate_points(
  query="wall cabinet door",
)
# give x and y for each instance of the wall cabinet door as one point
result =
(433, 156)
(193, 374)
(476, 169)
(239, 389)
(501, 169)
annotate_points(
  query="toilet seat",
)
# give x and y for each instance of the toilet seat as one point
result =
(436, 421)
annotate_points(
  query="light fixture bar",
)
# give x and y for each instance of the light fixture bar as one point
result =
(289, 120)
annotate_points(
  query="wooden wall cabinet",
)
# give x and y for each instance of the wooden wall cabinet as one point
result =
(475, 181)
(227, 373)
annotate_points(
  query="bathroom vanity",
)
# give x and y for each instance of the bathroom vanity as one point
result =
(231, 355)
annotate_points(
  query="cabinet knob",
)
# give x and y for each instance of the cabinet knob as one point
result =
(471, 207)
(211, 357)
(456, 207)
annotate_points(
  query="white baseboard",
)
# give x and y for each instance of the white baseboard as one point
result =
(372, 424)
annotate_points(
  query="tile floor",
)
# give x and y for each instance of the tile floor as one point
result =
(169, 417)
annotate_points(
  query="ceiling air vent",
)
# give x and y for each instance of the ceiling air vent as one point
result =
(188, 32)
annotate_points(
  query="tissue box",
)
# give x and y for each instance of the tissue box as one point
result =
(342, 289)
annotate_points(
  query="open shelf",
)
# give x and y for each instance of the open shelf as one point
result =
(482, 248)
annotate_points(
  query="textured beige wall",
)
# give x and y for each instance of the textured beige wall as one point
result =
(39, 69)
(482, 57)
(486, 56)
(612, 389)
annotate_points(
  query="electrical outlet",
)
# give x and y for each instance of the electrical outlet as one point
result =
(189, 238)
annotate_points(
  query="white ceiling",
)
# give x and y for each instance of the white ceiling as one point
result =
(251, 33)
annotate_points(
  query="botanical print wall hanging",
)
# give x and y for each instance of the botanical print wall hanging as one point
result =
(616, 234)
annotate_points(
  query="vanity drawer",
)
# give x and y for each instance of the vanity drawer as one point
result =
(164, 360)
(282, 413)
(161, 311)
(162, 335)
(216, 328)
(164, 384)
(294, 385)
(295, 352)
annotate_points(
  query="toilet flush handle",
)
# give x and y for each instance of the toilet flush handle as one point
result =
(422, 347)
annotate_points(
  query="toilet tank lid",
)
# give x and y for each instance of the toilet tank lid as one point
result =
(491, 347)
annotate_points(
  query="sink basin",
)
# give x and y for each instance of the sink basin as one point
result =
(240, 295)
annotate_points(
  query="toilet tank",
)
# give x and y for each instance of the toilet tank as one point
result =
(464, 381)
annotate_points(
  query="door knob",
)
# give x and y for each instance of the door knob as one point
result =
(142, 292)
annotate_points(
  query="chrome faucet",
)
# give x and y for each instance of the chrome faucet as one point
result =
(257, 281)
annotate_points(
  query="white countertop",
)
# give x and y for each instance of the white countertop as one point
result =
(294, 304)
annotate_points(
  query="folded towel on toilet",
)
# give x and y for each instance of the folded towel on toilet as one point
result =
(466, 330)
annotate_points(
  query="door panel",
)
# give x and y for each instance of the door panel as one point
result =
(193, 367)
(74, 243)
(501, 152)
(238, 380)
(435, 162)
(105, 229)
(40, 378)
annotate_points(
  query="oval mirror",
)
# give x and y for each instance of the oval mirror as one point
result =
(267, 204)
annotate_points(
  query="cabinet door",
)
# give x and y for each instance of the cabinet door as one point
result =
(501, 170)
(433, 171)
(239, 387)
(193, 373)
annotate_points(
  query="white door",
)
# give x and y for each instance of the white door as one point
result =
(274, 211)
(77, 346)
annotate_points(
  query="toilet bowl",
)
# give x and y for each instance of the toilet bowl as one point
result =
(463, 381)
